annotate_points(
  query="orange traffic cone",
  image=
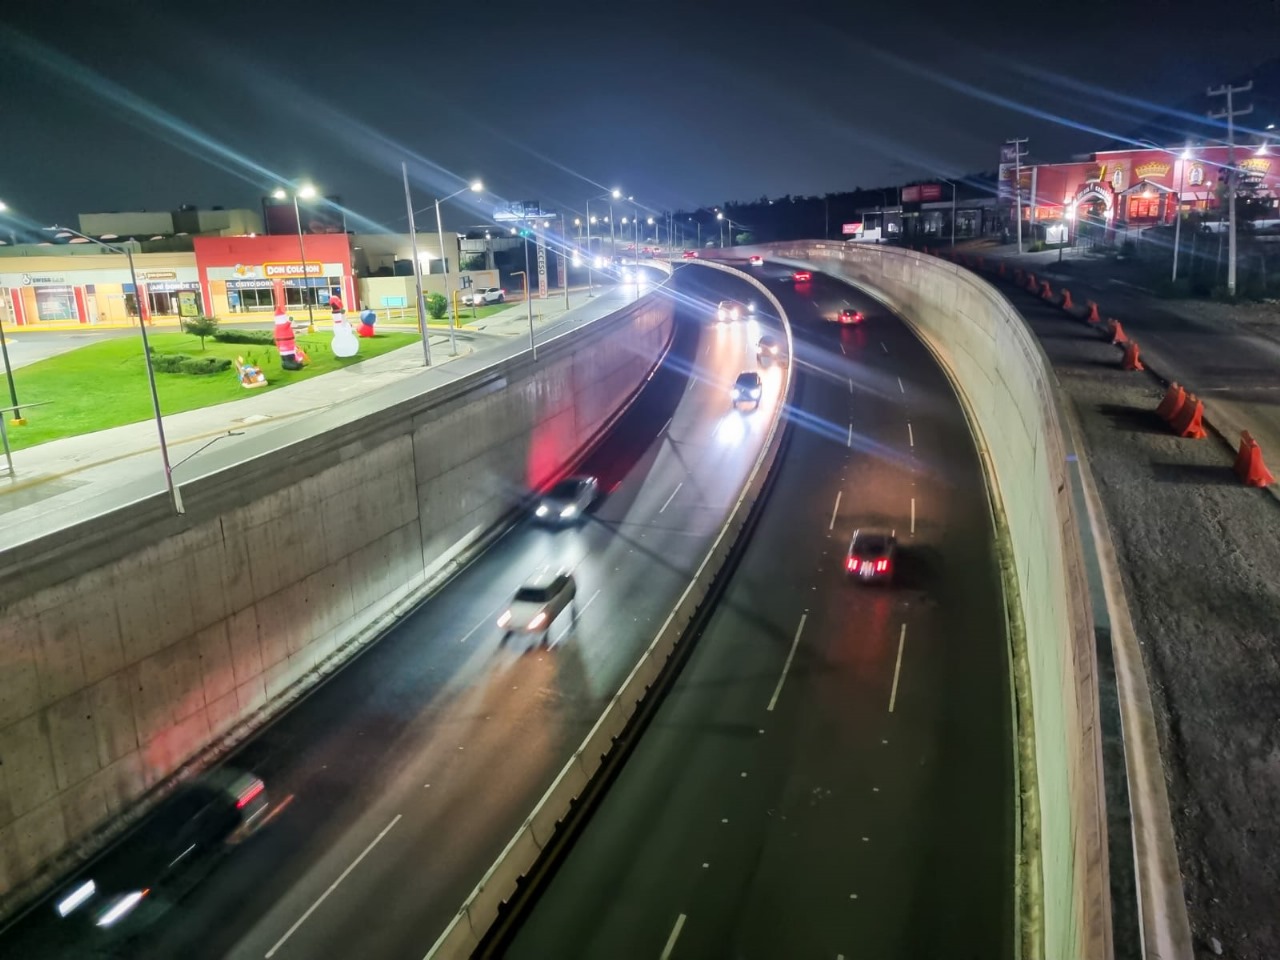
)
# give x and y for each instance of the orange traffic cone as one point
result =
(1032, 285)
(1249, 466)
(1130, 360)
(1092, 316)
(1172, 403)
(1066, 300)
(1046, 291)
(1117, 332)
(1188, 421)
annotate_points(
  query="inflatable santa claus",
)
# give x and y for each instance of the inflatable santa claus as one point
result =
(291, 355)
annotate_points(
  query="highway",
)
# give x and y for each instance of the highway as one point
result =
(395, 784)
(831, 774)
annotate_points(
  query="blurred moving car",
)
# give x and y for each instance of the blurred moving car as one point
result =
(537, 604)
(756, 260)
(747, 389)
(849, 315)
(173, 848)
(484, 296)
(728, 310)
(567, 501)
(690, 255)
(768, 350)
(872, 555)
(802, 276)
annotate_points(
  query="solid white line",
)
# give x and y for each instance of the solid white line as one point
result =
(843, 350)
(849, 442)
(667, 424)
(672, 497)
(839, 494)
(333, 886)
(897, 668)
(671, 940)
(911, 434)
(901, 388)
(913, 516)
(787, 666)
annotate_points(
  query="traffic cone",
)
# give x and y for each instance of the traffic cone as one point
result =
(1130, 359)
(1249, 466)
(1031, 282)
(1172, 403)
(1117, 332)
(1066, 300)
(1046, 291)
(1188, 421)
(1092, 316)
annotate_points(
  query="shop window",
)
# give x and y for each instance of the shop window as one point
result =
(163, 304)
(1144, 208)
(56, 303)
(253, 300)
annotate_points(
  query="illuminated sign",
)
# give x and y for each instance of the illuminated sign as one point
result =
(849, 228)
(930, 191)
(294, 269)
(1151, 171)
(1258, 165)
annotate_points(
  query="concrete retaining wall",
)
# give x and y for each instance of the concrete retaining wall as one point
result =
(138, 641)
(1008, 389)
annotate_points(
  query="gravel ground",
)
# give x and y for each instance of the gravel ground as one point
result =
(1201, 564)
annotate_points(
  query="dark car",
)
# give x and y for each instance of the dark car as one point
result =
(768, 350)
(872, 556)
(801, 276)
(849, 315)
(747, 389)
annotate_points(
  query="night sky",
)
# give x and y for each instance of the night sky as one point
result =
(149, 105)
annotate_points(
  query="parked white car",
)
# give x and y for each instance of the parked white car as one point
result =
(484, 296)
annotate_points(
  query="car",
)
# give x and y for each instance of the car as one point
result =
(801, 276)
(173, 848)
(568, 500)
(768, 350)
(872, 556)
(536, 605)
(728, 310)
(484, 296)
(849, 315)
(756, 260)
(747, 388)
(690, 255)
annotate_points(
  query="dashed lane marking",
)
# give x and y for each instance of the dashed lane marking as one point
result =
(773, 701)
(897, 670)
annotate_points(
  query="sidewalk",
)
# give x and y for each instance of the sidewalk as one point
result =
(64, 481)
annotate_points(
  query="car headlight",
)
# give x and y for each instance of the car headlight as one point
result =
(755, 393)
(542, 510)
(539, 619)
(569, 511)
(122, 908)
(504, 619)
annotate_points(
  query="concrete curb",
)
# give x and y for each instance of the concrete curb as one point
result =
(479, 911)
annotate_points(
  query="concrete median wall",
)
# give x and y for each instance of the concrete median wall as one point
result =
(140, 641)
(1008, 390)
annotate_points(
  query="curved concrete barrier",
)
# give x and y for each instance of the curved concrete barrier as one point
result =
(141, 643)
(460, 939)
(1008, 391)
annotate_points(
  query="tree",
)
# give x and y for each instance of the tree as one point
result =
(201, 327)
(437, 306)
(472, 261)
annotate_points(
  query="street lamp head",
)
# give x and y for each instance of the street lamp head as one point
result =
(306, 191)
(3, 206)
(577, 221)
(595, 219)
(651, 221)
(477, 186)
(719, 216)
(616, 193)
(278, 193)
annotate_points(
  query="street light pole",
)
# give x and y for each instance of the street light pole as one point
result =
(175, 494)
(1177, 210)
(475, 187)
(417, 268)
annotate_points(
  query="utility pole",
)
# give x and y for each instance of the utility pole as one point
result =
(1018, 154)
(1230, 113)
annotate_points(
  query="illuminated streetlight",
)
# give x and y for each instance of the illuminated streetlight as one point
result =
(614, 194)
(306, 192)
(475, 187)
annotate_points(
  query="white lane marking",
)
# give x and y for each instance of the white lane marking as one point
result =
(835, 510)
(672, 497)
(489, 619)
(883, 347)
(665, 425)
(851, 384)
(773, 701)
(911, 437)
(333, 886)
(843, 350)
(849, 442)
(675, 935)
(897, 668)
(576, 617)
(901, 388)
(913, 516)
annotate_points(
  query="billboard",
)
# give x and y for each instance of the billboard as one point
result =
(519, 210)
(320, 215)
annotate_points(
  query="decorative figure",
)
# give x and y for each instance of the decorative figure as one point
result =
(250, 374)
(367, 319)
(344, 343)
(291, 355)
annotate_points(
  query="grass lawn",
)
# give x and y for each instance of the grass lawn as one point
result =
(104, 384)
(464, 315)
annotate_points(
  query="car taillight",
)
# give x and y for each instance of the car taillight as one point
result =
(246, 796)
(882, 565)
(851, 563)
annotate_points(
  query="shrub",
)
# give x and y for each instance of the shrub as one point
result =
(264, 338)
(437, 306)
(168, 362)
(201, 327)
(203, 366)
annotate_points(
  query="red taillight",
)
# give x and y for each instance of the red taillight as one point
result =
(882, 565)
(851, 563)
(247, 796)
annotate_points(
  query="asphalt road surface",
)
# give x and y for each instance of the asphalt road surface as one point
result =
(831, 773)
(395, 784)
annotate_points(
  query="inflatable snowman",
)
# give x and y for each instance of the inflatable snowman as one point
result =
(344, 343)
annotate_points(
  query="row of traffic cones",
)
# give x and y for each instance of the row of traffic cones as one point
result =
(1183, 411)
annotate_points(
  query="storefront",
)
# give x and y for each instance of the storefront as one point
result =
(241, 275)
(62, 290)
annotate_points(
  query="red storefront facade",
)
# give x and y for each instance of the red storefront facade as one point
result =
(241, 277)
(1142, 188)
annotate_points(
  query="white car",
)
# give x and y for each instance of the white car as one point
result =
(756, 260)
(728, 310)
(537, 604)
(484, 296)
(568, 501)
